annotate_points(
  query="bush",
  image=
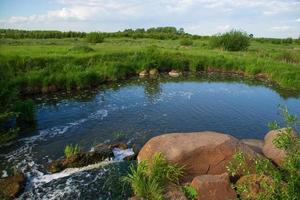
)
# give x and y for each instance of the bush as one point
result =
(71, 150)
(148, 179)
(275, 183)
(186, 42)
(190, 192)
(95, 37)
(231, 41)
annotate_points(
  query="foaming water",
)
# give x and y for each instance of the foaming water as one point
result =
(139, 109)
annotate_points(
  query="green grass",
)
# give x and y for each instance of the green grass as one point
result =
(33, 63)
(149, 178)
(71, 150)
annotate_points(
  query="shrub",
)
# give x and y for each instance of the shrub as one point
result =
(95, 37)
(148, 179)
(186, 42)
(71, 150)
(190, 192)
(231, 41)
(283, 183)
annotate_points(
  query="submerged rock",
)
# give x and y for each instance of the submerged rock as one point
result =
(12, 186)
(174, 73)
(270, 150)
(216, 187)
(100, 153)
(199, 153)
(255, 145)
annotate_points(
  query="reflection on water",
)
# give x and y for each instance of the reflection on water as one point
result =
(141, 109)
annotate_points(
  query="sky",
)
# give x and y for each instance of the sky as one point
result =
(263, 18)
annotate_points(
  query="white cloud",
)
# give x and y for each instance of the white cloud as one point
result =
(281, 28)
(298, 20)
(196, 16)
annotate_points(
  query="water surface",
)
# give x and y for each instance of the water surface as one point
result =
(139, 109)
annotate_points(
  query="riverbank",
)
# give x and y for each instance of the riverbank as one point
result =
(50, 65)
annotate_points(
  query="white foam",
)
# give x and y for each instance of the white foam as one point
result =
(120, 154)
(67, 172)
(4, 174)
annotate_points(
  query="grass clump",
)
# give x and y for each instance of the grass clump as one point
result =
(95, 37)
(190, 192)
(186, 42)
(280, 183)
(149, 178)
(288, 57)
(71, 150)
(233, 40)
(81, 49)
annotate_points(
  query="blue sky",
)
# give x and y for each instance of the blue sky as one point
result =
(263, 18)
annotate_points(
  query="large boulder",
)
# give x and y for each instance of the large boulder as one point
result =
(252, 185)
(199, 153)
(213, 187)
(12, 186)
(270, 150)
(255, 145)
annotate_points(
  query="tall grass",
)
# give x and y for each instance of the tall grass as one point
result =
(148, 179)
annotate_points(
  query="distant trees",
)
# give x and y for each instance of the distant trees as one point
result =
(21, 34)
(233, 40)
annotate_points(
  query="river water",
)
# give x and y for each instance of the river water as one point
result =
(133, 111)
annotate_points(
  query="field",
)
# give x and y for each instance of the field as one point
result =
(65, 64)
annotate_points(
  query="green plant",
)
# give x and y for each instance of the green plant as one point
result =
(71, 150)
(95, 37)
(274, 182)
(190, 192)
(148, 179)
(233, 40)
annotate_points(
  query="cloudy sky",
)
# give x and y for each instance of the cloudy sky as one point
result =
(267, 18)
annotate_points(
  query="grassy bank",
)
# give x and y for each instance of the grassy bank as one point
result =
(54, 64)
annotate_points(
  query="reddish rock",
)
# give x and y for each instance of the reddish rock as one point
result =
(253, 184)
(255, 145)
(213, 187)
(270, 150)
(174, 191)
(12, 186)
(199, 153)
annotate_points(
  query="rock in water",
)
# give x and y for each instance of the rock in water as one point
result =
(216, 187)
(153, 72)
(199, 153)
(270, 150)
(12, 186)
(143, 73)
(174, 73)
